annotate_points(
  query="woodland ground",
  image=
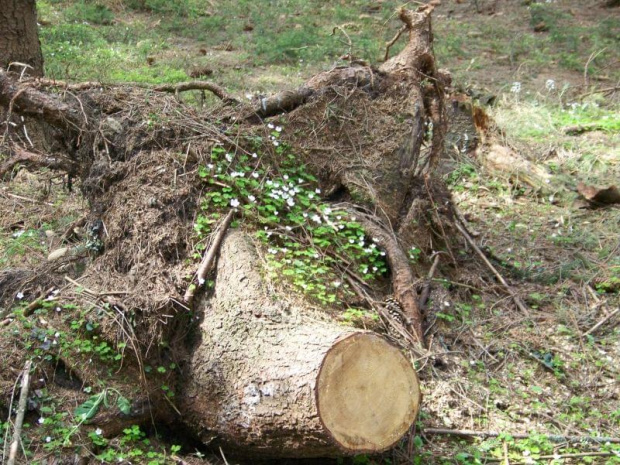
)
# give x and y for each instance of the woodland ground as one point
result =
(497, 370)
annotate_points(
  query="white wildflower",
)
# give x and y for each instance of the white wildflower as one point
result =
(19, 296)
(228, 157)
(255, 175)
(550, 85)
(201, 281)
(336, 283)
(285, 176)
(316, 218)
(234, 203)
(48, 439)
(270, 126)
(98, 432)
(254, 155)
(41, 420)
(516, 87)
(279, 128)
(290, 202)
(276, 143)
(318, 191)
(310, 195)
(210, 166)
(251, 198)
(18, 234)
(248, 96)
(276, 213)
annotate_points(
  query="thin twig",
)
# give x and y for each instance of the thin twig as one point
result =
(602, 322)
(426, 291)
(21, 410)
(209, 258)
(389, 44)
(517, 300)
(493, 434)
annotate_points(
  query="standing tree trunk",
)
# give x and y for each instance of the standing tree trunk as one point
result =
(19, 41)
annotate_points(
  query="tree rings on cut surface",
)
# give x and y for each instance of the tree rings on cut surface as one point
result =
(368, 393)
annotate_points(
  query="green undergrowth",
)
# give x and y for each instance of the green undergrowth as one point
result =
(62, 335)
(307, 241)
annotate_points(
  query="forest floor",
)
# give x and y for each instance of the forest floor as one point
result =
(545, 66)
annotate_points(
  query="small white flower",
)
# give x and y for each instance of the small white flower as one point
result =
(327, 211)
(382, 254)
(516, 87)
(272, 251)
(18, 234)
(300, 181)
(19, 296)
(285, 177)
(276, 213)
(255, 175)
(210, 166)
(341, 226)
(254, 155)
(279, 128)
(201, 281)
(336, 283)
(550, 85)
(446, 303)
(270, 126)
(234, 203)
(48, 439)
(318, 191)
(316, 218)
(290, 202)
(353, 218)
(248, 96)
(251, 198)
(351, 241)
(98, 431)
(269, 182)
(276, 143)
(305, 215)
(288, 228)
(228, 157)
(339, 217)
(58, 309)
(374, 268)
(41, 420)
(310, 195)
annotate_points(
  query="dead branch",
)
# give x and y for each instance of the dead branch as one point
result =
(517, 300)
(402, 277)
(209, 259)
(602, 322)
(30, 102)
(34, 160)
(426, 291)
(21, 410)
(197, 85)
(389, 44)
(493, 434)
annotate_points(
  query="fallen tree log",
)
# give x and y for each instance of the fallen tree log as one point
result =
(270, 383)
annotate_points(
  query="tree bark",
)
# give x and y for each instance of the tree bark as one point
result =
(19, 40)
(269, 383)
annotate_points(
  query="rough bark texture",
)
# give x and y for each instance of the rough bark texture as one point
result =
(255, 371)
(19, 41)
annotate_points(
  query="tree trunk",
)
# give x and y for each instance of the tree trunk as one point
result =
(19, 41)
(269, 383)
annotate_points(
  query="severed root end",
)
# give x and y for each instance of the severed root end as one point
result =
(368, 393)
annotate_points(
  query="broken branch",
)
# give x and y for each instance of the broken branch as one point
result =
(517, 300)
(21, 410)
(209, 259)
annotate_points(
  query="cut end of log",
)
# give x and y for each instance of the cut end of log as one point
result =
(368, 393)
